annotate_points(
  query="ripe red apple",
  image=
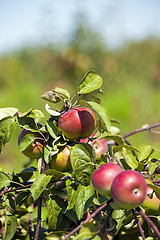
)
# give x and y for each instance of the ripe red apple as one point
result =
(77, 123)
(100, 145)
(129, 189)
(34, 150)
(151, 205)
(61, 161)
(103, 177)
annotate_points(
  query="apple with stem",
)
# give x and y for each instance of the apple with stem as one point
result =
(61, 161)
(77, 123)
(103, 177)
(35, 149)
(151, 203)
(129, 189)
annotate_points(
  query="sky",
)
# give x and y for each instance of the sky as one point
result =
(42, 21)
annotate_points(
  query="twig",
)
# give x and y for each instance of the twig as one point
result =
(149, 221)
(105, 224)
(138, 224)
(16, 189)
(145, 128)
(40, 204)
(87, 220)
(39, 218)
(30, 225)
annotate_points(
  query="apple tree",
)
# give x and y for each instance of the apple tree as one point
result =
(84, 179)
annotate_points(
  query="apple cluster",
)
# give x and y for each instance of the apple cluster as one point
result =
(76, 124)
(127, 188)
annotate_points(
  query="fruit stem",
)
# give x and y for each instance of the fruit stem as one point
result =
(138, 224)
(149, 221)
(87, 220)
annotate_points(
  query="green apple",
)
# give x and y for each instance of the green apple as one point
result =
(61, 161)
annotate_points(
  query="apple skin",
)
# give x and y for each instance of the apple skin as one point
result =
(103, 177)
(77, 123)
(129, 189)
(151, 205)
(100, 145)
(61, 161)
(34, 150)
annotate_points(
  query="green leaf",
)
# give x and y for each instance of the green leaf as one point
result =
(54, 206)
(27, 123)
(11, 201)
(26, 173)
(84, 194)
(32, 113)
(88, 231)
(35, 113)
(26, 141)
(90, 82)
(11, 227)
(130, 159)
(119, 216)
(21, 197)
(154, 187)
(101, 112)
(144, 152)
(117, 138)
(39, 185)
(4, 180)
(120, 147)
(153, 164)
(7, 112)
(56, 175)
(81, 162)
(71, 192)
(52, 129)
(64, 93)
(7, 126)
(51, 111)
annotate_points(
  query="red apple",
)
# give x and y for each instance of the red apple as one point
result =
(34, 150)
(61, 161)
(100, 145)
(129, 189)
(151, 205)
(77, 123)
(103, 177)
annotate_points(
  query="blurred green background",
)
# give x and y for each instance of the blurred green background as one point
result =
(131, 74)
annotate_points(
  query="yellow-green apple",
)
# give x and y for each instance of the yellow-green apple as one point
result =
(103, 177)
(151, 205)
(78, 122)
(100, 145)
(129, 189)
(35, 149)
(61, 161)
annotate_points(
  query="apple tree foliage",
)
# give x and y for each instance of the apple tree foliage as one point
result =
(43, 203)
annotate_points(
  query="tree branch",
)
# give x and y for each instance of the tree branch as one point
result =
(138, 224)
(145, 128)
(149, 221)
(87, 220)
(40, 204)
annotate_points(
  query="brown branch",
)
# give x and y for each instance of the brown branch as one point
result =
(145, 128)
(87, 220)
(39, 219)
(149, 221)
(138, 224)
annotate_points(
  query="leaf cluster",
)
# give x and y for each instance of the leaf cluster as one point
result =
(61, 201)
